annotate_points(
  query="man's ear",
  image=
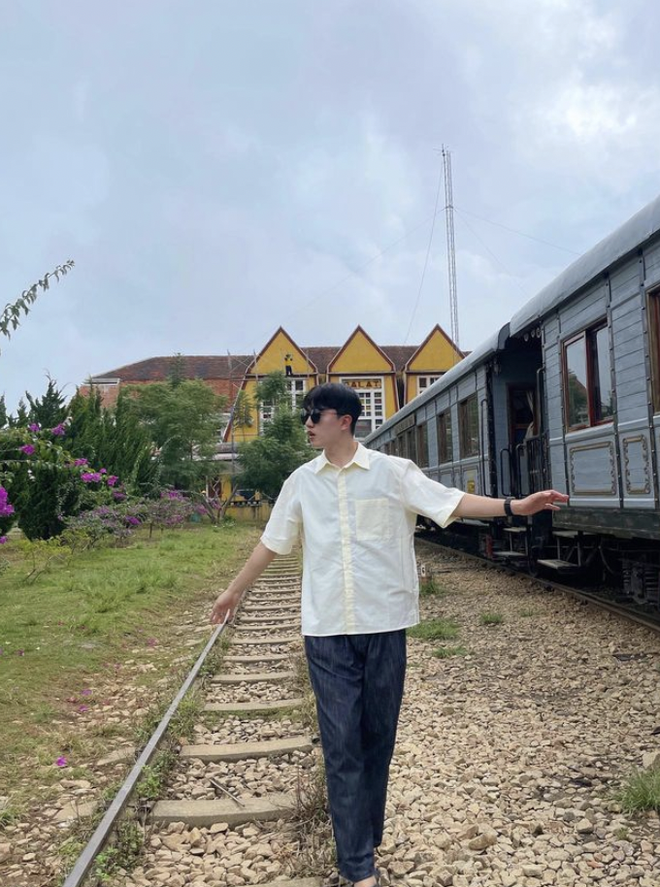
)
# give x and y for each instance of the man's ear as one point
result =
(345, 422)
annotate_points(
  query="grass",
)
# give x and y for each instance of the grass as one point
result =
(448, 652)
(92, 628)
(491, 619)
(641, 792)
(434, 630)
(430, 588)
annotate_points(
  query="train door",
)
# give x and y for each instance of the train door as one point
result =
(523, 428)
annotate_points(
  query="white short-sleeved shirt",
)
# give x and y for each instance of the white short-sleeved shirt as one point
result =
(357, 524)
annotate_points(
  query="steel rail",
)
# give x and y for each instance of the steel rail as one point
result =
(616, 609)
(99, 838)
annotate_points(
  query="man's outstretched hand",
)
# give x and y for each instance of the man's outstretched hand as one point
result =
(546, 500)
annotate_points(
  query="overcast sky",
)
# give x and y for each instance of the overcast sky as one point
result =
(216, 169)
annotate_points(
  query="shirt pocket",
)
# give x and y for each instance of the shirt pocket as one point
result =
(372, 520)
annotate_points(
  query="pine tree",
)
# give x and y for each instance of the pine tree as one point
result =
(49, 410)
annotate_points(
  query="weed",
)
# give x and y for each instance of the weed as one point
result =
(430, 588)
(311, 848)
(447, 652)
(641, 791)
(154, 775)
(303, 688)
(8, 816)
(434, 630)
(491, 619)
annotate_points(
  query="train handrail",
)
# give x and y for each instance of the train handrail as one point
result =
(97, 841)
(482, 447)
(521, 450)
(506, 450)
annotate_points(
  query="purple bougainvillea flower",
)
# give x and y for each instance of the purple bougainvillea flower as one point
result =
(80, 462)
(35, 427)
(86, 692)
(103, 471)
(61, 761)
(112, 480)
(90, 477)
(3, 540)
(28, 449)
(58, 430)
(5, 508)
(83, 708)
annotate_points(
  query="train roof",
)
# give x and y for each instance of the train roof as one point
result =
(626, 239)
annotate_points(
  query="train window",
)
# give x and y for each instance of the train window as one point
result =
(468, 427)
(445, 448)
(588, 379)
(654, 346)
(422, 446)
(410, 438)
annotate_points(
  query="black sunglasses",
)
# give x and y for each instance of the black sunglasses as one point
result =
(314, 415)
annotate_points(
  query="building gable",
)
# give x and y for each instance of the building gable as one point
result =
(437, 353)
(282, 355)
(360, 354)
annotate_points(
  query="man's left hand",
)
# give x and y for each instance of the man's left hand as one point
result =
(546, 500)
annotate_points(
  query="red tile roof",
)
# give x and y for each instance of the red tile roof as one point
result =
(155, 369)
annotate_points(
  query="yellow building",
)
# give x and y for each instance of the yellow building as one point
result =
(384, 377)
(435, 356)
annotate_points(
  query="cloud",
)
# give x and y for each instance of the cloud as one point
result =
(217, 172)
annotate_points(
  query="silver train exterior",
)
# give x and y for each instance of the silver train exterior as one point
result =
(564, 395)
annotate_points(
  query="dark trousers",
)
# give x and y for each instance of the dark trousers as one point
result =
(358, 683)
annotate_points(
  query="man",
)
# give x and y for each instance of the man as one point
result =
(355, 510)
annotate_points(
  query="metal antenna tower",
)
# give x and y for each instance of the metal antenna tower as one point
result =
(451, 248)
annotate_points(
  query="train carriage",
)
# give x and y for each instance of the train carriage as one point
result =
(566, 394)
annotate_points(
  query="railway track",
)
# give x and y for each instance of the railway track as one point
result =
(209, 796)
(598, 600)
(208, 788)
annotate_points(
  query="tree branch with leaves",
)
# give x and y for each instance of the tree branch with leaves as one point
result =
(11, 316)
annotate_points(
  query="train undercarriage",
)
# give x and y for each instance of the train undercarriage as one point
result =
(623, 569)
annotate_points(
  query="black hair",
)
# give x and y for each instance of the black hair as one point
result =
(333, 396)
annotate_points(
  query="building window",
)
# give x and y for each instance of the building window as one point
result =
(422, 446)
(445, 447)
(370, 392)
(588, 379)
(297, 388)
(654, 345)
(296, 391)
(468, 427)
(423, 382)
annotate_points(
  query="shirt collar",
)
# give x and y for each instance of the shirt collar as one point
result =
(361, 459)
